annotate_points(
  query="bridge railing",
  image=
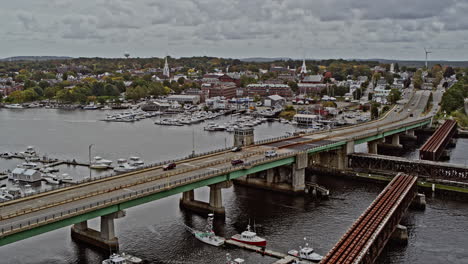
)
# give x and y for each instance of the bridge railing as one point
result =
(45, 218)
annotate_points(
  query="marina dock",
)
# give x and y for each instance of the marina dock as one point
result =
(283, 258)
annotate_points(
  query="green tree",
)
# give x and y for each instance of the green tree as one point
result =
(374, 111)
(30, 95)
(181, 81)
(417, 79)
(369, 96)
(394, 96)
(389, 78)
(44, 84)
(39, 91)
(50, 92)
(65, 76)
(29, 83)
(293, 85)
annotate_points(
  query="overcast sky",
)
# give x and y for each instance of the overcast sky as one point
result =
(393, 29)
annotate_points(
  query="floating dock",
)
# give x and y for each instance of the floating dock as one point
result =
(283, 258)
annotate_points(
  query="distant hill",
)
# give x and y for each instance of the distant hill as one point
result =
(260, 59)
(35, 58)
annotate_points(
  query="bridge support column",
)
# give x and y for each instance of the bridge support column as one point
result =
(105, 238)
(372, 146)
(400, 235)
(215, 204)
(396, 141)
(298, 172)
(270, 176)
(419, 202)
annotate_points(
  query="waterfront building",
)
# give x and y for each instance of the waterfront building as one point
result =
(184, 99)
(26, 175)
(220, 89)
(266, 89)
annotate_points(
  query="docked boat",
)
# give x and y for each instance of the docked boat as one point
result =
(249, 237)
(30, 154)
(124, 166)
(122, 259)
(100, 164)
(306, 253)
(28, 190)
(65, 177)
(51, 179)
(6, 155)
(208, 236)
(14, 106)
(229, 260)
(136, 161)
(90, 107)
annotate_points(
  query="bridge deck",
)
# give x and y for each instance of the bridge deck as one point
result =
(356, 243)
(432, 149)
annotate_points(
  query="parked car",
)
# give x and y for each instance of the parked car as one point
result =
(237, 162)
(270, 153)
(169, 166)
(236, 149)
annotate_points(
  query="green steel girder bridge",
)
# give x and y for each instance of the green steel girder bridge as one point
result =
(107, 197)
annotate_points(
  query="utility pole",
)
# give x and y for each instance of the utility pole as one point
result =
(89, 156)
(193, 142)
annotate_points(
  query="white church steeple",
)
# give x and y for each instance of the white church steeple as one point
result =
(166, 70)
(303, 67)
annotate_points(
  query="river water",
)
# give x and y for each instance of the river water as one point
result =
(155, 231)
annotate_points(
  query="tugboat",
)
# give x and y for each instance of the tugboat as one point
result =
(122, 259)
(208, 236)
(249, 237)
(306, 253)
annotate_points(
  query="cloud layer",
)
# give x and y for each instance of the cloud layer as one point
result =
(236, 28)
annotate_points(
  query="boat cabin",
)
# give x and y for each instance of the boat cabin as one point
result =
(27, 175)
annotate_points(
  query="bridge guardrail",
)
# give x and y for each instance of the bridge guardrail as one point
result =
(42, 219)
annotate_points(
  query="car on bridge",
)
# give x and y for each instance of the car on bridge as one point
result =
(270, 153)
(236, 149)
(237, 162)
(169, 166)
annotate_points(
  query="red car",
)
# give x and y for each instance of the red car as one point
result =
(169, 166)
(236, 162)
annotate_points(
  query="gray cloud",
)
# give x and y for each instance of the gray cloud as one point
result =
(235, 28)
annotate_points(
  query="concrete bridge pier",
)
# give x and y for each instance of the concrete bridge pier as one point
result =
(419, 202)
(215, 204)
(372, 147)
(298, 172)
(105, 238)
(400, 235)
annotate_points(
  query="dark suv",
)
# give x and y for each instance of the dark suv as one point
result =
(169, 166)
(237, 162)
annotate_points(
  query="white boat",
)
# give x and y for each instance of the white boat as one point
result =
(136, 161)
(208, 236)
(90, 107)
(30, 154)
(124, 166)
(65, 178)
(14, 106)
(122, 259)
(52, 180)
(235, 261)
(306, 253)
(28, 190)
(99, 163)
(28, 165)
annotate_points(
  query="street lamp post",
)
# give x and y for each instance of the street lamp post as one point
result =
(89, 156)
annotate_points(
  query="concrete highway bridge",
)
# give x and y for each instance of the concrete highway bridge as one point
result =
(108, 197)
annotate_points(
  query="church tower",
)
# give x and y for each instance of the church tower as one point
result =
(166, 70)
(303, 67)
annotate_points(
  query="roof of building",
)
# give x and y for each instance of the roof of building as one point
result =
(275, 97)
(313, 78)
